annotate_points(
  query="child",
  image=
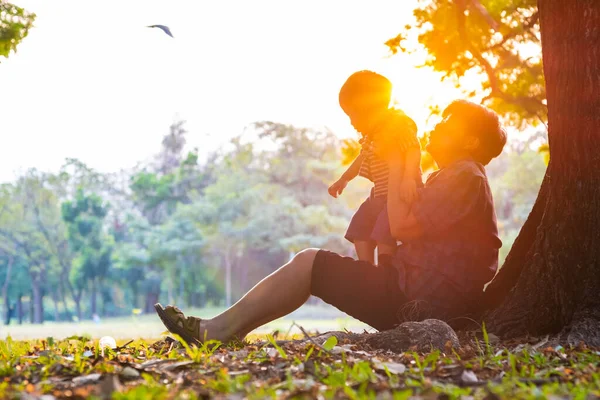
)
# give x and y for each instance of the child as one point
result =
(365, 97)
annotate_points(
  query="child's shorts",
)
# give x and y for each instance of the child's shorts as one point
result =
(371, 218)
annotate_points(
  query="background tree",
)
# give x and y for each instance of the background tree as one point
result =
(91, 248)
(15, 23)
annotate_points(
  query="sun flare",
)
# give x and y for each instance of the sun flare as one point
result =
(416, 90)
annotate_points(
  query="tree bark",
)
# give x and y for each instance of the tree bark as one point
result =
(93, 296)
(77, 300)
(36, 301)
(135, 296)
(20, 308)
(64, 302)
(170, 298)
(55, 302)
(78, 308)
(551, 280)
(228, 268)
(181, 294)
(30, 308)
(151, 300)
(5, 288)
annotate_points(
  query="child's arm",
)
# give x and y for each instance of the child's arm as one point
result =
(354, 168)
(338, 186)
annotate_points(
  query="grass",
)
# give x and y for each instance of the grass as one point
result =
(75, 368)
(265, 367)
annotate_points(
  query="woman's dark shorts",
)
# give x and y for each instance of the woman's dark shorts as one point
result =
(368, 293)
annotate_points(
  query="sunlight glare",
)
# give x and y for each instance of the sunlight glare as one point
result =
(416, 89)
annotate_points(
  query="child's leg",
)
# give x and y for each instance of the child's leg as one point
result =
(361, 226)
(386, 244)
(365, 250)
(385, 252)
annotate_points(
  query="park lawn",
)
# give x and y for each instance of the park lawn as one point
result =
(312, 317)
(75, 368)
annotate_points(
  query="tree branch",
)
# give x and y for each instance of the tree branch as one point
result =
(533, 19)
(495, 25)
(527, 103)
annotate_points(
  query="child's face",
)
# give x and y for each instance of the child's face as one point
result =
(363, 117)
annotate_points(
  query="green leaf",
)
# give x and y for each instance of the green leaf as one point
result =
(330, 343)
(271, 340)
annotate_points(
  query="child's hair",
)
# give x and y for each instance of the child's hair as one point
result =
(482, 123)
(370, 88)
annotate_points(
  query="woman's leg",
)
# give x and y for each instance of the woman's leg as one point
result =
(369, 294)
(277, 295)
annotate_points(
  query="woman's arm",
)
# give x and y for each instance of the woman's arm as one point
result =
(412, 163)
(403, 224)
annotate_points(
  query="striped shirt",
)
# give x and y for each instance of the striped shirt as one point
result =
(375, 168)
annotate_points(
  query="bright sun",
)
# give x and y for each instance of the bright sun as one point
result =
(416, 89)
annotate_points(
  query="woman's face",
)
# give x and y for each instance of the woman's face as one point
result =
(447, 137)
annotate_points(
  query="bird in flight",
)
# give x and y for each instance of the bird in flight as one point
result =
(164, 28)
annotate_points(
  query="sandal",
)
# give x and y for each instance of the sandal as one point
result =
(176, 322)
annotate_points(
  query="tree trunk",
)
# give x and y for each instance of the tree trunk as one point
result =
(228, 268)
(551, 280)
(77, 300)
(135, 296)
(10, 314)
(181, 295)
(106, 298)
(20, 308)
(170, 290)
(37, 301)
(243, 268)
(93, 297)
(6, 311)
(64, 302)
(55, 301)
(78, 308)
(151, 300)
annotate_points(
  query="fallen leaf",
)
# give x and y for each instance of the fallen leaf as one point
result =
(468, 376)
(272, 352)
(176, 365)
(82, 380)
(129, 373)
(392, 367)
(338, 350)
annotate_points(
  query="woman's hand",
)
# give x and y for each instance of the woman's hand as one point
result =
(408, 190)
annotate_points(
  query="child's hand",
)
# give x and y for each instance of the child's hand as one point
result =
(337, 188)
(408, 190)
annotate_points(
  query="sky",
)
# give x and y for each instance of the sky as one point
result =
(92, 82)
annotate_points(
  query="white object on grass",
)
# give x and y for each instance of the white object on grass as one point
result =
(107, 341)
